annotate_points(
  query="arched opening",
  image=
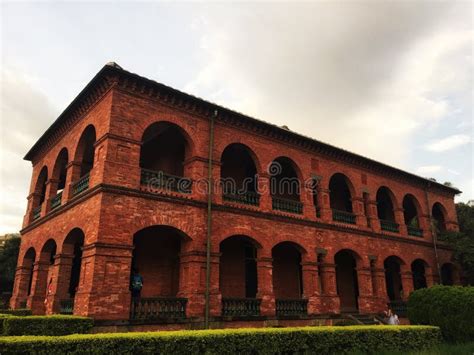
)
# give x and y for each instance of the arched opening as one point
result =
(419, 274)
(156, 260)
(59, 174)
(285, 186)
(438, 214)
(385, 210)
(239, 175)
(44, 279)
(393, 278)
(73, 245)
(341, 199)
(164, 150)
(40, 192)
(346, 280)
(287, 272)
(448, 274)
(410, 214)
(28, 263)
(85, 150)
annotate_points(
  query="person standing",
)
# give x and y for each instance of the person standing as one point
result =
(136, 283)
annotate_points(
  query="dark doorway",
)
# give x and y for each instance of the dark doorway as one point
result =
(287, 281)
(418, 271)
(346, 279)
(393, 278)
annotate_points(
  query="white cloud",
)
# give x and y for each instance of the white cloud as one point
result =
(448, 143)
(428, 169)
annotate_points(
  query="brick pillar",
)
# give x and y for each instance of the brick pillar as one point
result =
(373, 216)
(379, 286)
(51, 189)
(61, 279)
(358, 210)
(429, 277)
(329, 299)
(265, 285)
(73, 170)
(400, 219)
(366, 298)
(20, 288)
(310, 281)
(195, 168)
(407, 281)
(103, 291)
(38, 287)
(324, 205)
(32, 200)
(425, 225)
(264, 189)
(306, 195)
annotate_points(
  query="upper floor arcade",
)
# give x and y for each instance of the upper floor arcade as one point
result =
(129, 132)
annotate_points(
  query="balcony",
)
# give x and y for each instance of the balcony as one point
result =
(291, 307)
(158, 308)
(247, 198)
(158, 180)
(56, 201)
(286, 205)
(81, 185)
(37, 212)
(389, 226)
(343, 216)
(415, 232)
(66, 306)
(241, 307)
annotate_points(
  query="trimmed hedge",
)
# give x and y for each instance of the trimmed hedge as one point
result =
(449, 307)
(46, 325)
(17, 312)
(321, 340)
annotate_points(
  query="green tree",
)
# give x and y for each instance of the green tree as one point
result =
(463, 241)
(8, 259)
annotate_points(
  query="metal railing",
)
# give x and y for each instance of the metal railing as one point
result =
(56, 200)
(398, 307)
(291, 307)
(389, 226)
(37, 212)
(343, 216)
(241, 306)
(158, 180)
(247, 198)
(286, 205)
(158, 308)
(81, 185)
(414, 231)
(66, 306)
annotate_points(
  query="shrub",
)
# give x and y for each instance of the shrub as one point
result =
(449, 307)
(17, 312)
(46, 325)
(321, 340)
(2, 317)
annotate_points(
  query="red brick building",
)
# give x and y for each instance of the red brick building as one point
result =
(293, 230)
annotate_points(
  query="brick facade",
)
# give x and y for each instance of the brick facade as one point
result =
(353, 235)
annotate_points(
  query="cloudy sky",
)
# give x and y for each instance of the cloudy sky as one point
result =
(391, 81)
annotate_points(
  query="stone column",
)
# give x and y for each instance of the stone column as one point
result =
(265, 285)
(61, 280)
(310, 280)
(38, 287)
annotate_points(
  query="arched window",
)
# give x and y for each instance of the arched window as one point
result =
(164, 150)
(40, 192)
(411, 215)
(438, 214)
(393, 278)
(285, 186)
(85, 156)
(28, 263)
(341, 199)
(418, 269)
(59, 174)
(385, 210)
(239, 175)
(346, 280)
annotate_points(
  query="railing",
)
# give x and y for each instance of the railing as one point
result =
(241, 306)
(37, 212)
(398, 307)
(56, 200)
(414, 231)
(66, 306)
(343, 216)
(158, 308)
(247, 198)
(81, 185)
(157, 180)
(389, 226)
(294, 307)
(286, 205)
